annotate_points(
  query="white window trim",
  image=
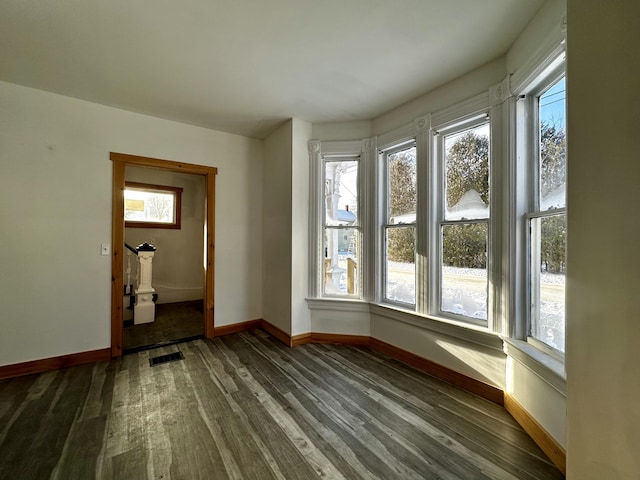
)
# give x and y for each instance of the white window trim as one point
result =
(524, 201)
(548, 368)
(471, 120)
(444, 326)
(357, 227)
(317, 152)
(384, 202)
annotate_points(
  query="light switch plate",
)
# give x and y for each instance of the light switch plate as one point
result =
(105, 249)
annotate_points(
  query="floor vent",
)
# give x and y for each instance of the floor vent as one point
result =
(170, 357)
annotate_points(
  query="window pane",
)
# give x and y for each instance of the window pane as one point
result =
(340, 268)
(548, 235)
(464, 270)
(402, 186)
(148, 206)
(467, 174)
(401, 264)
(341, 192)
(552, 161)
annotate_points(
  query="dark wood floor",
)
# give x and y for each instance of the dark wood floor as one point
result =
(173, 321)
(245, 406)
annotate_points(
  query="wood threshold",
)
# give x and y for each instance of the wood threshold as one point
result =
(539, 435)
(54, 363)
(120, 161)
(489, 392)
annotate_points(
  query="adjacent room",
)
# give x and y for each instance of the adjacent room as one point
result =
(295, 239)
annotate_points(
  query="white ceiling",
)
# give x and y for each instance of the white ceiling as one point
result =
(244, 66)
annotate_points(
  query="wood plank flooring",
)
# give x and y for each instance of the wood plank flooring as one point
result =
(245, 406)
(173, 321)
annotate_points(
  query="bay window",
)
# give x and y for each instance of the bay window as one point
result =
(450, 227)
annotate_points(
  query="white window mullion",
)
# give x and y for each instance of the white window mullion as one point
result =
(434, 217)
(423, 147)
(502, 232)
(369, 212)
(316, 192)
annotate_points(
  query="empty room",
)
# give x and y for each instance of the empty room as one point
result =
(314, 239)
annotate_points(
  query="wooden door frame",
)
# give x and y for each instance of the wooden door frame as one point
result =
(120, 161)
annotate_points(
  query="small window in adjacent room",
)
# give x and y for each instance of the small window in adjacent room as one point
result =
(152, 206)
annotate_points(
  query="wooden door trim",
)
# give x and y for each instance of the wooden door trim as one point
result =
(120, 161)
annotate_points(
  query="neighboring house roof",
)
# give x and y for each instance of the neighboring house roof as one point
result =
(346, 216)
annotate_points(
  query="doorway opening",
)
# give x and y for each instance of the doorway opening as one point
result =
(123, 163)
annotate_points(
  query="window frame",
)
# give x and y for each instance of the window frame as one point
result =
(440, 220)
(385, 225)
(529, 120)
(176, 192)
(357, 226)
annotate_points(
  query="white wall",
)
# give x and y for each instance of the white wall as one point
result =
(55, 205)
(341, 130)
(457, 90)
(542, 28)
(277, 221)
(286, 227)
(539, 398)
(178, 263)
(481, 362)
(300, 316)
(339, 318)
(603, 269)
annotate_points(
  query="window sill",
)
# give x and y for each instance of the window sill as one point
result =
(542, 364)
(462, 331)
(444, 326)
(338, 304)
